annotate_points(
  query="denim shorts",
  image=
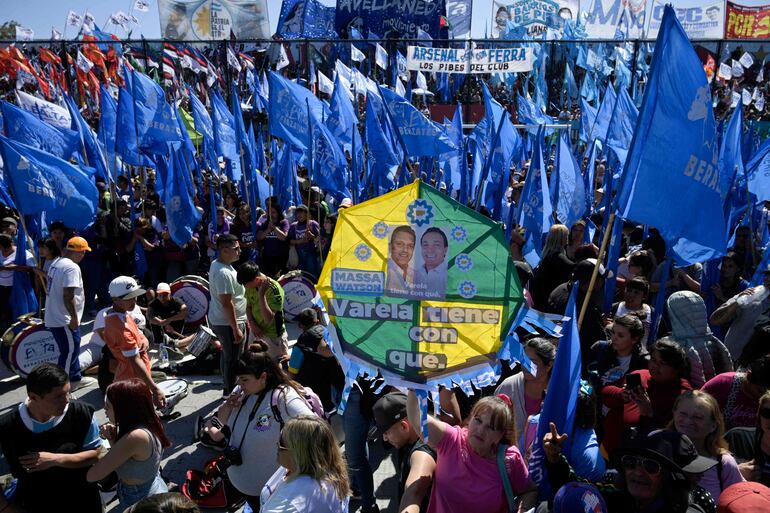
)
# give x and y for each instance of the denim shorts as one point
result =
(128, 495)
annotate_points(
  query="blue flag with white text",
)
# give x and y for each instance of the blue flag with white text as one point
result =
(22, 126)
(155, 120)
(570, 199)
(420, 135)
(42, 182)
(671, 178)
(288, 111)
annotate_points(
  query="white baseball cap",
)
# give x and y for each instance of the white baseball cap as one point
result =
(163, 287)
(125, 287)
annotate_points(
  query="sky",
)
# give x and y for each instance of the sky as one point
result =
(42, 15)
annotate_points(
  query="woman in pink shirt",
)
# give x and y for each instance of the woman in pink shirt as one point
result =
(467, 476)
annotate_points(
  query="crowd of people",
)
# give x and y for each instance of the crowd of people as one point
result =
(673, 413)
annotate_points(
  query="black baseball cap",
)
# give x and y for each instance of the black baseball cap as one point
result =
(388, 410)
(672, 449)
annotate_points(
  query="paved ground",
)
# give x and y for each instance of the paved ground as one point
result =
(204, 395)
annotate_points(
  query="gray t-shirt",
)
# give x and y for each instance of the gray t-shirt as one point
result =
(222, 281)
(749, 308)
(261, 440)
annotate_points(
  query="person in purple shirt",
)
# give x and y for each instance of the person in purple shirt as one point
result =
(273, 232)
(303, 234)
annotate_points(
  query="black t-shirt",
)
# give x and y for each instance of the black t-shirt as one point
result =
(320, 373)
(164, 311)
(405, 466)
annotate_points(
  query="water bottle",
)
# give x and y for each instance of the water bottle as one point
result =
(163, 355)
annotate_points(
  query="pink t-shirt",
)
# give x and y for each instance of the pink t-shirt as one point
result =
(465, 482)
(743, 411)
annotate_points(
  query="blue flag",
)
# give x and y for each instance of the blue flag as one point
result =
(329, 163)
(342, 119)
(108, 120)
(259, 186)
(588, 177)
(243, 150)
(306, 19)
(420, 136)
(730, 158)
(283, 186)
(535, 212)
(204, 126)
(757, 171)
(42, 182)
(671, 178)
(22, 126)
(383, 160)
(181, 215)
(570, 197)
(225, 143)
(155, 119)
(453, 168)
(560, 401)
(613, 256)
(530, 114)
(88, 140)
(23, 298)
(622, 124)
(603, 115)
(288, 111)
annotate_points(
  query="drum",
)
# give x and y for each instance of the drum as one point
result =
(298, 293)
(27, 344)
(175, 390)
(193, 291)
(201, 341)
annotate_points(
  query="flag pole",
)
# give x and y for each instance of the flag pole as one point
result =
(595, 273)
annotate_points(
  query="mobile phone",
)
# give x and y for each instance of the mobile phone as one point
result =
(633, 381)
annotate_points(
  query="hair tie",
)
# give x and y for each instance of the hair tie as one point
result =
(505, 399)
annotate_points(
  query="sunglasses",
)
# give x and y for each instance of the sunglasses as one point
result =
(764, 413)
(650, 466)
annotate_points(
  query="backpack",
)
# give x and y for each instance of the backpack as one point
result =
(307, 395)
(210, 488)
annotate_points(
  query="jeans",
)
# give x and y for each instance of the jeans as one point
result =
(128, 495)
(356, 428)
(231, 351)
(310, 262)
(69, 350)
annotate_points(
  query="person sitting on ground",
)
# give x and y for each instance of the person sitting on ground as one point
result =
(166, 314)
(312, 362)
(49, 442)
(416, 459)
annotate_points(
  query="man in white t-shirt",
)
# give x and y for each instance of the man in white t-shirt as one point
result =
(7, 267)
(64, 305)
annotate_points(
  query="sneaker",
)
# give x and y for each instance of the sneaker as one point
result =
(85, 381)
(206, 441)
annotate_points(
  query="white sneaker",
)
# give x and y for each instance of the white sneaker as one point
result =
(86, 381)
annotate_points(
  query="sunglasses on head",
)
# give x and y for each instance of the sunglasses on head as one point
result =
(650, 466)
(764, 413)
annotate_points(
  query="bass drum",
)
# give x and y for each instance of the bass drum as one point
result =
(193, 291)
(27, 344)
(298, 293)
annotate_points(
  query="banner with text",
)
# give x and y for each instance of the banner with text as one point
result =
(747, 22)
(390, 18)
(606, 18)
(459, 60)
(700, 19)
(213, 19)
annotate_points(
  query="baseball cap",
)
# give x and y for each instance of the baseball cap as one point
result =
(346, 203)
(578, 498)
(388, 410)
(9, 220)
(78, 244)
(744, 496)
(125, 287)
(673, 449)
(163, 287)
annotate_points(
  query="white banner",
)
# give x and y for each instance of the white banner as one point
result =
(700, 19)
(49, 112)
(459, 60)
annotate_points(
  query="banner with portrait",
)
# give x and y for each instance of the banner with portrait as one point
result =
(419, 287)
(700, 19)
(747, 22)
(213, 19)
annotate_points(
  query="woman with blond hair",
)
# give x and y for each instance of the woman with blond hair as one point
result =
(313, 477)
(555, 266)
(697, 415)
(468, 473)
